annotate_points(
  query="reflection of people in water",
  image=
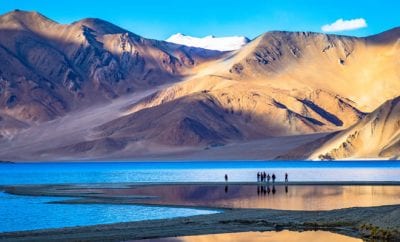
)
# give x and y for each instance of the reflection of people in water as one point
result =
(226, 189)
(273, 178)
(226, 177)
(286, 177)
(286, 189)
(262, 191)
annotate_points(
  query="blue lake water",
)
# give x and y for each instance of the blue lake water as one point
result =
(50, 173)
(26, 213)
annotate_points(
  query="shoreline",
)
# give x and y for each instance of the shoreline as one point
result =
(363, 223)
(373, 222)
(123, 185)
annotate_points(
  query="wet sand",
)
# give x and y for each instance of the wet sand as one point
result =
(276, 236)
(362, 222)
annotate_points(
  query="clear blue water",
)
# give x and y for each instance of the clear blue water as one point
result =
(26, 213)
(52, 173)
(19, 213)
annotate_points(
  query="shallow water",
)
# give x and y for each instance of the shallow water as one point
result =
(282, 236)
(52, 173)
(25, 213)
(19, 213)
(316, 197)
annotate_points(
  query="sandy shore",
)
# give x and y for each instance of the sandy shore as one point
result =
(363, 222)
(379, 222)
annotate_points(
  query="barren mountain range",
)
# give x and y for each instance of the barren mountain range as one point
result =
(92, 90)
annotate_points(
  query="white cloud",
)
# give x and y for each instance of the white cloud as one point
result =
(345, 25)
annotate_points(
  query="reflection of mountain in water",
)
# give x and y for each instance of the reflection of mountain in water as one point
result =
(295, 197)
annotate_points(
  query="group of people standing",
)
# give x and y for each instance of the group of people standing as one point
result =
(264, 177)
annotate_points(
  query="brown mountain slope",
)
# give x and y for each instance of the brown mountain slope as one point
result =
(295, 83)
(280, 84)
(259, 111)
(48, 69)
(364, 70)
(288, 84)
(377, 135)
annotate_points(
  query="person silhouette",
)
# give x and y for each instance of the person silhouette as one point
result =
(273, 178)
(286, 177)
(258, 176)
(268, 178)
(226, 177)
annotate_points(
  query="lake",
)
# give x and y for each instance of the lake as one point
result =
(56, 173)
(26, 213)
(291, 197)
(20, 213)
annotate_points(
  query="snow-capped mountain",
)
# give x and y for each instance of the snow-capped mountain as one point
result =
(210, 42)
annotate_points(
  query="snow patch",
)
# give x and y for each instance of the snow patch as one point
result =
(210, 42)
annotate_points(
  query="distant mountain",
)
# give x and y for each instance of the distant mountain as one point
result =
(280, 84)
(210, 42)
(104, 92)
(49, 69)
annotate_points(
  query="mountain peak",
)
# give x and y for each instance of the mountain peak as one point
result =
(178, 35)
(25, 16)
(100, 26)
(210, 42)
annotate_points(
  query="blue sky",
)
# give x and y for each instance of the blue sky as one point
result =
(159, 19)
